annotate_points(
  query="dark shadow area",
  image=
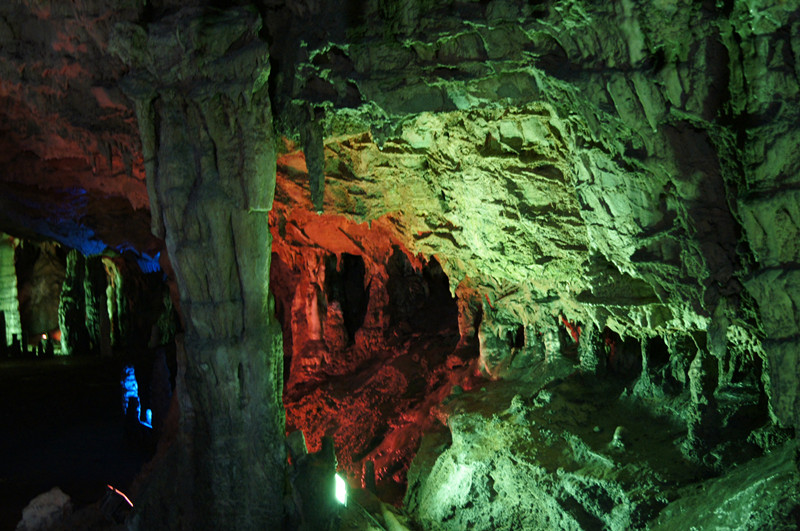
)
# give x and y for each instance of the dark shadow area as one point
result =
(62, 426)
(420, 300)
(345, 284)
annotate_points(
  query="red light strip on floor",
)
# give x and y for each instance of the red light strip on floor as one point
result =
(121, 494)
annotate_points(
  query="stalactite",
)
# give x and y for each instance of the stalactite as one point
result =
(312, 136)
(589, 349)
(114, 289)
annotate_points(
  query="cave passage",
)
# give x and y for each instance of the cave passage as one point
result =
(63, 426)
(383, 356)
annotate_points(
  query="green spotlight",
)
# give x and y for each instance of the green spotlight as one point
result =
(341, 490)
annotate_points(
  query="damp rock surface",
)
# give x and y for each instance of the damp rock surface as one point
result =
(761, 494)
(573, 456)
(610, 186)
(45, 511)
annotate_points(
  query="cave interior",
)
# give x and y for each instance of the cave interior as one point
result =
(494, 264)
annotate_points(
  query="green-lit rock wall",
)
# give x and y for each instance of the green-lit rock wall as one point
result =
(9, 302)
(625, 164)
(611, 185)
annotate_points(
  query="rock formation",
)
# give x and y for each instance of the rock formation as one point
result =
(198, 79)
(558, 237)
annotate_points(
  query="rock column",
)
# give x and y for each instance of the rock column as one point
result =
(72, 307)
(98, 323)
(9, 302)
(199, 81)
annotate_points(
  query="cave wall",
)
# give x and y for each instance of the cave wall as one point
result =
(607, 183)
(593, 161)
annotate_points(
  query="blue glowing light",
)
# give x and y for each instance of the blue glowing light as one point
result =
(130, 392)
(149, 264)
(130, 387)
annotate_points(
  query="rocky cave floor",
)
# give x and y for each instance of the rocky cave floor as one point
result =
(560, 449)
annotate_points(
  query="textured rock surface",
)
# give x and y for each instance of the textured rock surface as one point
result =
(608, 187)
(72, 306)
(573, 456)
(45, 511)
(584, 167)
(729, 501)
(9, 300)
(370, 334)
(199, 82)
(67, 128)
(40, 273)
(556, 153)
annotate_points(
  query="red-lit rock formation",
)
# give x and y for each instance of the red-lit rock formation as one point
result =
(370, 332)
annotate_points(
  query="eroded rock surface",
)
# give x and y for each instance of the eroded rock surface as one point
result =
(199, 82)
(608, 188)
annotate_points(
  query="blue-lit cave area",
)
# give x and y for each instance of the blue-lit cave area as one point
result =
(399, 265)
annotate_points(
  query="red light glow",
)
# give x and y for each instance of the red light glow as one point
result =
(121, 494)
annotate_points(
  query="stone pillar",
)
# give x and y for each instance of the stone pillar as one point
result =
(199, 81)
(72, 307)
(3, 345)
(701, 414)
(98, 323)
(314, 148)
(589, 348)
(9, 301)
(552, 344)
(114, 301)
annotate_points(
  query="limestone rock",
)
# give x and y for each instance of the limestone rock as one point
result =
(726, 502)
(45, 511)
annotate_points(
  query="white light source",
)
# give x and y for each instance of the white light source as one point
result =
(341, 490)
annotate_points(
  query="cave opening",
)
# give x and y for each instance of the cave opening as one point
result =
(657, 353)
(420, 299)
(72, 430)
(345, 284)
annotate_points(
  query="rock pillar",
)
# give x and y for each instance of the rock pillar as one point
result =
(199, 82)
(589, 348)
(701, 414)
(3, 345)
(72, 307)
(9, 301)
(98, 323)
